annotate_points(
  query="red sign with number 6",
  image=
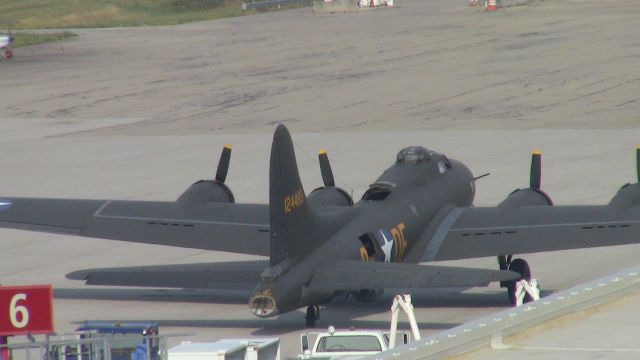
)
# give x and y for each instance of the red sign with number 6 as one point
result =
(26, 309)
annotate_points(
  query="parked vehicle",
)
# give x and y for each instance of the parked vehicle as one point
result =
(351, 342)
(5, 46)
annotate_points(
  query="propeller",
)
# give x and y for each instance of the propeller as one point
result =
(638, 161)
(536, 170)
(325, 169)
(223, 164)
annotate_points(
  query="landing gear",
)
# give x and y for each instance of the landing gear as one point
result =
(521, 267)
(503, 263)
(313, 314)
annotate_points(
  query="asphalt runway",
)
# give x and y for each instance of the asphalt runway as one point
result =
(141, 113)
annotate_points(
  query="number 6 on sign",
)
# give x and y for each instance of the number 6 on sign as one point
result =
(15, 309)
(26, 310)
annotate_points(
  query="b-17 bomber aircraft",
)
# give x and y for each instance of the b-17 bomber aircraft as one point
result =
(323, 245)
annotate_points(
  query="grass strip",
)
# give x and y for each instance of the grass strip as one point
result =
(22, 39)
(65, 14)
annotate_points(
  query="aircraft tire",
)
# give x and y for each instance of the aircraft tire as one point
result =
(313, 314)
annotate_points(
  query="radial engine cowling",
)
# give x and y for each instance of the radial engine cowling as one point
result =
(206, 191)
(525, 197)
(531, 196)
(329, 196)
(210, 191)
(628, 195)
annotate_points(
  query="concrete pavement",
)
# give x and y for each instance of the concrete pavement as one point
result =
(140, 113)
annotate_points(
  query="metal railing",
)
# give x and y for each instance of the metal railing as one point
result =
(74, 347)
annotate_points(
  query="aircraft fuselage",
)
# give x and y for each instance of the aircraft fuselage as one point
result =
(393, 222)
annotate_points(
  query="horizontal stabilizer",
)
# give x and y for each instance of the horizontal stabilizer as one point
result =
(355, 275)
(241, 275)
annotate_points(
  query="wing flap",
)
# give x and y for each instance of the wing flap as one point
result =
(355, 275)
(243, 275)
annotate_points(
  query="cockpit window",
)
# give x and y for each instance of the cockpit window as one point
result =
(443, 164)
(414, 155)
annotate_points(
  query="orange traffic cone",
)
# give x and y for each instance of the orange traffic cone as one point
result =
(491, 5)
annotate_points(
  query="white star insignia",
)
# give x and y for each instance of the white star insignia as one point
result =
(386, 248)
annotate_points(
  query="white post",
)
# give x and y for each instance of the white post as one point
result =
(403, 301)
(408, 309)
(394, 322)
(524, 287)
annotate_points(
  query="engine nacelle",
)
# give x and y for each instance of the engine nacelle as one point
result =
(329, 196)
(525, 197)
(628, 195)
(206, 191)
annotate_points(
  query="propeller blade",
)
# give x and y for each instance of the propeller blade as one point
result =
(325, 169)
(638, 161)
(223, 164)
(536, 170)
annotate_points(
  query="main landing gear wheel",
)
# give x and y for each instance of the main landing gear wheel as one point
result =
(521, 267)
(313, 314)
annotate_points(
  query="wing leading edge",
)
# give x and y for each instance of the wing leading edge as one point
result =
(478, 232)
(240, 228)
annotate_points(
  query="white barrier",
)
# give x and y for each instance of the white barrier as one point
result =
(524, 288)
(493, 328)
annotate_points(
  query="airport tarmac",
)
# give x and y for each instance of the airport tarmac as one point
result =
(160, 167)
(422, 65)
(141, 113)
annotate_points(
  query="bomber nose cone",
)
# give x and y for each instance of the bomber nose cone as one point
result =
(263, 306)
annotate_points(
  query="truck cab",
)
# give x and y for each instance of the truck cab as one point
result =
(334, 343)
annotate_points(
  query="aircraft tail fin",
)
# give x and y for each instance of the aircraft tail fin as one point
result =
(294, 224)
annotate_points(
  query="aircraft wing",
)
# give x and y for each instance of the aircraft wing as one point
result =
(477, 232)
(237, 275)
(240, 228)
(354, 275)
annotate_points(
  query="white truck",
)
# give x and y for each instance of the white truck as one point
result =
(357, 343)
(334, 344)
